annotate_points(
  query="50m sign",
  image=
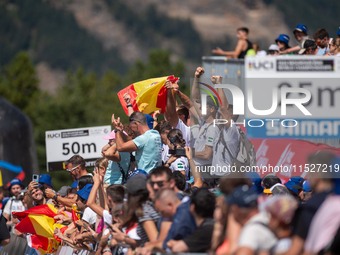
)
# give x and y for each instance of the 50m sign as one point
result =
(61, 145)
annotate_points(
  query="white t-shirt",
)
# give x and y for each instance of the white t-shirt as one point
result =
(185, 131)
(206, 136)
(107, 217)
(89, 216)
(250, 236)
(180, 164)
(194, 133)
(165, 152)
(221, 157)
(17, 206)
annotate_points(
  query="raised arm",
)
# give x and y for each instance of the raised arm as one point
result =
(198, 182)
(171, 105)
(122, 146)
(112, 154)
(224, 108)
(91, 201)
(196, 94)
(127, 99)
(290, 50)
(232, 54)
(185, 101)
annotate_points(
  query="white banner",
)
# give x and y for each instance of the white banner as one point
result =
(63, 144)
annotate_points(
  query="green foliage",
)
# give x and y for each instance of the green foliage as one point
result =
(158, 65)
(149, 26)
(18, 83)
(53, 36)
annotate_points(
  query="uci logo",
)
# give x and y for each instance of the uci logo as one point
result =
(55, 135)
(266, 65)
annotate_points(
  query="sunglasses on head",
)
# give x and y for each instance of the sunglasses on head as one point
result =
(130, 119)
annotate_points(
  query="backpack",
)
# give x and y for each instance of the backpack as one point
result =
(132, 167)
(246, 155)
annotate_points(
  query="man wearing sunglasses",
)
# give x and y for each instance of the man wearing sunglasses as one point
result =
(147, 144)
(75, 168)
(321, 37)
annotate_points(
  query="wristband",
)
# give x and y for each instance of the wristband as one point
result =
(116, 130)
(129, 105)
(55, 197)
(106, 250)
(167, 163)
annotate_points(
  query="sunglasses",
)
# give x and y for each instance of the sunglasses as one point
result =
(130, 119)
(159, 183)
(70, 170)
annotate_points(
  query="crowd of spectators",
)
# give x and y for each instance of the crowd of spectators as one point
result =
(157, 186)
(320, 44)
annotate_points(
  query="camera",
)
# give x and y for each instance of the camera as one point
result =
(178, 151)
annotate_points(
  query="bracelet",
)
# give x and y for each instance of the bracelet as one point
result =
(167, 163)
(109, 243)
(55, 197)
(93, 235)
(129, 105)
(105, 250)
(116, 130)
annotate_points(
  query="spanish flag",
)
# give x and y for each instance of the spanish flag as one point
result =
(147, 96)
(40, 222)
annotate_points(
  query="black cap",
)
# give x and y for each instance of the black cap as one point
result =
(306, 44)
(270, 180)
(211, 102)
(136, 185)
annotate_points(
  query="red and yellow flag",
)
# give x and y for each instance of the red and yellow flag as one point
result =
(40, 222)
(147, 96)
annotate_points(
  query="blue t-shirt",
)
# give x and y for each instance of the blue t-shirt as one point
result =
(321, 52)
(183, 223)
(149, 153)
(113, 174)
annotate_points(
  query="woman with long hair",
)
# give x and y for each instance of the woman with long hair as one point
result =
(140, 209)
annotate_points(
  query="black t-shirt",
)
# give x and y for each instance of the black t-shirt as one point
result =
(200, 239)
(4, 233)
(305, 213)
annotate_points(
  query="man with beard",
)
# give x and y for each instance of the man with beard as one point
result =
(36, 193)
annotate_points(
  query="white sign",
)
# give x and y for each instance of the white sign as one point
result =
(63, 144)
(272, 74)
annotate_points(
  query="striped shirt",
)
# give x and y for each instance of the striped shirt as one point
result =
(149, 213)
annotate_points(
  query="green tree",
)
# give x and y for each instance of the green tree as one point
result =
(19, 84)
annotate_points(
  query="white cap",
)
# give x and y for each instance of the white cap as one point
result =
(274, 47)
(261, 53)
